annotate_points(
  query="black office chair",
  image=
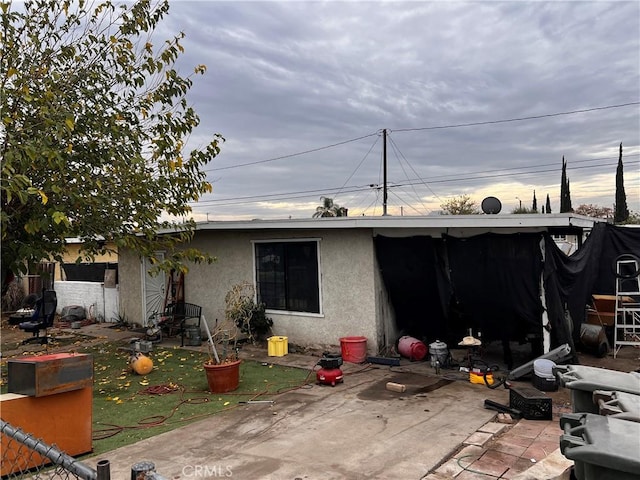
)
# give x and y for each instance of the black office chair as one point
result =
(42, 318)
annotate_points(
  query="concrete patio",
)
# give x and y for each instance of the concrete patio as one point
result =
(437, 429)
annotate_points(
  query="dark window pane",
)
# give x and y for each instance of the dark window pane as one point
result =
(287, 276)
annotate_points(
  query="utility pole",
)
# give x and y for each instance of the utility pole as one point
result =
(384, 163)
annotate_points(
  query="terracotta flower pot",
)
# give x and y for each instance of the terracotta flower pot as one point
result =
(224, 377)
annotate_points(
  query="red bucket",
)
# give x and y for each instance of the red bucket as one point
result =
(354, 349)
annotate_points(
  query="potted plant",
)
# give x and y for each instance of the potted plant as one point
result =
(248, 315)
(222, 370)
(242, 314)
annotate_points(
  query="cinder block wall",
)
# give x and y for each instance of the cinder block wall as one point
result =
(88, 294)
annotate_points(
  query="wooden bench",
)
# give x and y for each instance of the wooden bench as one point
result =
(178, 316)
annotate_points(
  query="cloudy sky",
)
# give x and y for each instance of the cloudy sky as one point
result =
(302, 92)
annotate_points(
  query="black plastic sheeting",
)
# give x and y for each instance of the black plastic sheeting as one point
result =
(496, 280)
(88, 272)
(570, 281)
(440, 287)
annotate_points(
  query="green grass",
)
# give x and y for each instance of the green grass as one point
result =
(124, 411)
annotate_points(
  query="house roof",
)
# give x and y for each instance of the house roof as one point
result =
(567, 222)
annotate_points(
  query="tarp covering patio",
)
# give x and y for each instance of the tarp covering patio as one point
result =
(440, 287)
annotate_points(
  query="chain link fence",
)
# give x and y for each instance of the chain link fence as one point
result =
(26, 457)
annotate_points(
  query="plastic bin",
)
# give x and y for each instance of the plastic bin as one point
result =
(533, 403)
(583, 381)
(618, 404)
(278, 346)
(602, 448)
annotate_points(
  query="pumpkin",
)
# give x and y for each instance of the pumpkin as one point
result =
(141, 364)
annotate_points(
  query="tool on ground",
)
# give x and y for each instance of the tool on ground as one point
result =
(257, 401)
(498, 407)
(558, 355)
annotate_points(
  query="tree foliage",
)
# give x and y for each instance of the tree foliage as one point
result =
(523, 210)
(565, 190)
(460, 205)
(548, 205)
(621, 214)
(329, 209)
(534, 203)
(95, 125)
(595, 211)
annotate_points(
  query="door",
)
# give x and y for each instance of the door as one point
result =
(154, 290)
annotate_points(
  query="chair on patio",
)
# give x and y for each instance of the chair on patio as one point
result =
(42, 318)
(178, 316)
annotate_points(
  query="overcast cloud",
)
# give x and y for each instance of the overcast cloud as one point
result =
(288, 77)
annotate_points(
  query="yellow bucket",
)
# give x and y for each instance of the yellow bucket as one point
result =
(277, 346)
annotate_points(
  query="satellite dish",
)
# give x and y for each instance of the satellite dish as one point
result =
(491, 205)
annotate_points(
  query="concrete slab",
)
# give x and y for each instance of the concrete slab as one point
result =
(355, 430)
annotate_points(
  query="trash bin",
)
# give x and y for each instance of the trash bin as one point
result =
(602, 448)
(583, 381)
(618, 404)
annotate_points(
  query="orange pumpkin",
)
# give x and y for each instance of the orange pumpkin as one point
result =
(141, 364)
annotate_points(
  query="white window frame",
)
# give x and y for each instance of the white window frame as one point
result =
(317, 241)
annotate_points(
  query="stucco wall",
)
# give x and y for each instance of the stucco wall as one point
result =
(348, 282)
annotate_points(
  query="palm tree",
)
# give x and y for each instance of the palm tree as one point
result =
(329, 209)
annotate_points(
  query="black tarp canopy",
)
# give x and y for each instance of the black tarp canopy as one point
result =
(440, 287)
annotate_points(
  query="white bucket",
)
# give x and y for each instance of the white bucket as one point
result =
(543, 377)
(543, 368)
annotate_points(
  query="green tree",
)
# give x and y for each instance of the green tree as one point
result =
(329, 209)
(523, 210)
(460, 205)
(95, 123)
(534, 204)
(548, 205)
(565, 190)
(621, 210)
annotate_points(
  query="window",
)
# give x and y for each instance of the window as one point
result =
(287, 275)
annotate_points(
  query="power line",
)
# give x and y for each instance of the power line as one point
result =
(416, 181)
(520, 119)
(291, 154)
(357, 189)
(437, 127)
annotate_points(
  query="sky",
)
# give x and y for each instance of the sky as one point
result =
(477, 98)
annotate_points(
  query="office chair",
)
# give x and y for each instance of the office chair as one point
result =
(42, 318)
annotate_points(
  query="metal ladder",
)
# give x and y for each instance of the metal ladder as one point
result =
(627, 314)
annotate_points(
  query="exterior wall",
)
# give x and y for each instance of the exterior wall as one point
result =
(347, 282)
(98, 302)
(73, 252)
